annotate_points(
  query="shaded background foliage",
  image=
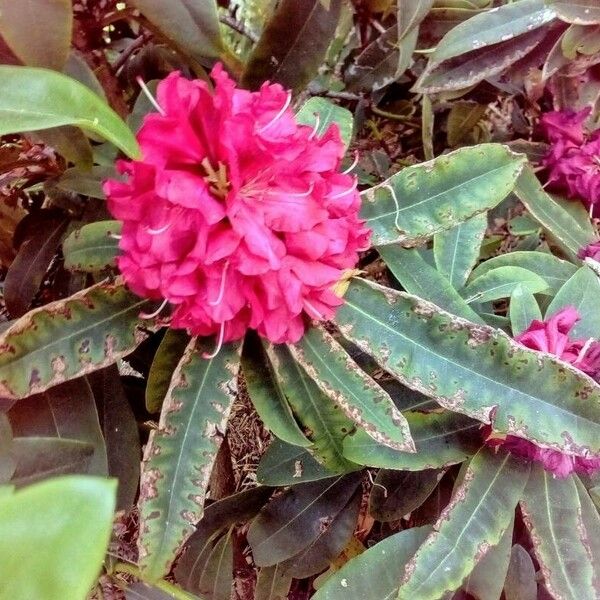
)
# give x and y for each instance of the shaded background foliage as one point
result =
(350, 464)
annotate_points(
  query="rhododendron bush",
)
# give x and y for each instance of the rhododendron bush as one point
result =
(300, 299)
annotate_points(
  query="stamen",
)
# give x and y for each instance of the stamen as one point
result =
(219, 343)
(591, 211)
(221, 287)
(279, 114)
(159, 230)
(348, 191)
(354, 163)
(584, 350)
(149, 95)
(144, 315)
(115, 236)
(388, 187)
(311, 187)
(316, 127)
(314, 310)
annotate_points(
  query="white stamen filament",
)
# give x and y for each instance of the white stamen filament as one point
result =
(149, 95)
(351, 167)
(316, 127)
(219, 298)
(115, 236)
(311, 187)
(345, 193)
(279, 114)
(584, 350)
(144, 315)
(591, 211)
(314, 310)
(219, 343)
(159, 230)
(388, 187)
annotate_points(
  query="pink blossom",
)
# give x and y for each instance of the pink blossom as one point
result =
(236, 215)
(573, 161)
(590, 251)
(552, 336)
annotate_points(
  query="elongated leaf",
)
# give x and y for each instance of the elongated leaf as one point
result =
(563, 228)
(69, 338)
(581, 12)
(359, 397)
(39, 458)
(272, 583)
(480, 511)
(501, 283)
(551, 269)
(283, 464)
(582, 291)
(92, 249)
(474, 369)
(523, 309)
(441, 439)
(328, 114)
(38, 99)
(520, 578)
(291, 521)
(462, 120)
(397, 493)
(179, 456)
(293, 44)
(52, 23)
(456, 250)
(26, 273)
(216, 578)
(440, 194)
(43, 531)
(410, 13)
(374, 574)
(8, 462)
(561, 538)
(191, 25)
(71, 143)
(323, 421)
(166, 359)
(420, 278)
(266, 395)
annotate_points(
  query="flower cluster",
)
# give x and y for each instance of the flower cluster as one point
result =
(236, 215)
(573, 161)
(552, 336)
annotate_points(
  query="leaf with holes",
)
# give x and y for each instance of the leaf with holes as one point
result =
(69, 338)
(180, 454)
(440, 194)
(581, 12)
(474, 369)
(93, 248)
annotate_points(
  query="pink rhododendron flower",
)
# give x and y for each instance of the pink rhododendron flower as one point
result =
(236, 215)
(552, 336)
(573, 161)
(590, 251)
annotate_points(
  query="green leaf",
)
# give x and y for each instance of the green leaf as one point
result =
(481, 509)
(39, 458)
(267, 396)
(520, 581)
(420, 278)
(523, 310)
(92, 249)
(462, 119)
(166, 359)
(328, 114)
(70, 142)
(360, 398)
(473, 369)
(440, 194)
(8, 462)
(501, 282)
(52, 23)
(552, 509)
(179, 456)
(192, 26)
(374, 574)
(86, 182)
(292, 520)
(35, 99)
(441, 439)
(69, 338)
(323, 421)
(397, 493)
(550, 268)
(581, 12)
(582, 291)
(272, 583)
(293, 44)
(216, 578)
(563, 227)
(456, 250)
(43, 531)
(283, 464)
